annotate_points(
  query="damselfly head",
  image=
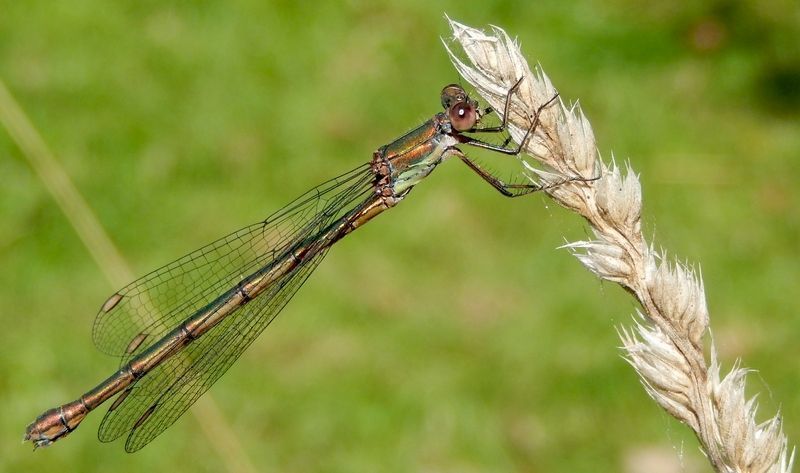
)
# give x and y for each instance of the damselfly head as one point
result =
(452, 94)
(462, 111)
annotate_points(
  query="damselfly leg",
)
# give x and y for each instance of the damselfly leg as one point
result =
(506, 189)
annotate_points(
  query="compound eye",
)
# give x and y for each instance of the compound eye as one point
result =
(463, 116)
(451, 94)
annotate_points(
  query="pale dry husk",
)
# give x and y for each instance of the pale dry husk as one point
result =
(665, 344)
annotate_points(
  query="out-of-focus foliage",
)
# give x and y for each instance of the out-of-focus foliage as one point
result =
(447, 335)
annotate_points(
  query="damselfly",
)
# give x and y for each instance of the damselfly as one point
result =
(179, 328)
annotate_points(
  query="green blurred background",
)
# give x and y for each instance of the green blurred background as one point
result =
(449, 334)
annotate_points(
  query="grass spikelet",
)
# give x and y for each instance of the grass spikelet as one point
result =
(665, 344)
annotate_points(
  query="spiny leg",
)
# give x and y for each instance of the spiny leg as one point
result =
(468, 140)
(502, 127)
(514, 189)
(508, 190)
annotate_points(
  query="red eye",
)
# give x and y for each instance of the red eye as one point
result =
(463, 116)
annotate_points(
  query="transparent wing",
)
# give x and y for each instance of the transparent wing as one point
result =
(146, 309)
(164, 409)
(162, 395)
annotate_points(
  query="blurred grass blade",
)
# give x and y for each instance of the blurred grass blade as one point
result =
(63, 191)
(106, 255)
